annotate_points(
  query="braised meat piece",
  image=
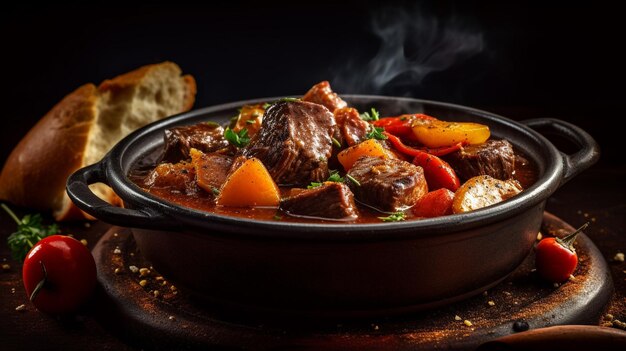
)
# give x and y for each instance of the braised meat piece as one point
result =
(388, 184)
(494, 158)
(294, 142)
(211, 170)
(330, 200)
(178, 177)
(206, 137)
(322, 94)
(352, 129)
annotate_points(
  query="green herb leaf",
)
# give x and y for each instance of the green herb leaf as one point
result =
(215, 191)
(277, 217)
(30, 230)
(376, 133)
(238, 139)
(251, 121)
(336, 142)
(288, 99)
(335, 177)
(212, 124)
(373, 115)
(314, 185)
(394, 217)
(351, 178)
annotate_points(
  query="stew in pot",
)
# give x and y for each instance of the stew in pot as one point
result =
(315, 159)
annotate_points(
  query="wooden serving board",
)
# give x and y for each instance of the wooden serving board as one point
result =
(171, 318)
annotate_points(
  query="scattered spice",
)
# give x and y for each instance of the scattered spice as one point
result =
(117, 251)
(143, 282)
(21, 307)
(619, 257)
(457, 318)
(117, 271)
(12, 290)
(539, 236)
(468, 323)
(172, 318)
(619, 324)
(156, 293)
(6, 266)
(608, 317)
(133, 269)
(144, 272)
(84, 241)
(491, 303)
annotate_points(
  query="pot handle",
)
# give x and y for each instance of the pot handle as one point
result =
(588, 149)
(78, 190)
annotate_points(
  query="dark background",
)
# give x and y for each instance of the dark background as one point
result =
(535, 59)
(526, 60)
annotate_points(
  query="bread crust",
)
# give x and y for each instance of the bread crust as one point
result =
(42, 161)
(36, 171)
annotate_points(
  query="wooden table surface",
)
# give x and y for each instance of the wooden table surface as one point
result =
(596, 195)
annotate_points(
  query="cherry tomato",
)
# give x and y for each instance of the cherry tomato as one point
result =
(59, 274)
(555, 258)
(434, 204)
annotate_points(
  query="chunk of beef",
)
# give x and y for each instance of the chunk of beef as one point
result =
(211, 170)
(389, 184)
(322, 94)
(352, 129)
(494, 158)
(178, 177)
(330, 200)
(206, 137)
(295, 142)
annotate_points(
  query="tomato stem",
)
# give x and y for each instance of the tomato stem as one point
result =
(568, 241)
(41, 283)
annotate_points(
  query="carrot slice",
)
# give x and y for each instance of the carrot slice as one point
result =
(369, 147)
(249, 185)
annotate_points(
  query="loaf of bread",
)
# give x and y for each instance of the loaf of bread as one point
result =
(81, 129)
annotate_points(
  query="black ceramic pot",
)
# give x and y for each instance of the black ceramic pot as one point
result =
(336, 270)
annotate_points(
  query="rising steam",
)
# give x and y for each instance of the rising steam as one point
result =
(413, 44)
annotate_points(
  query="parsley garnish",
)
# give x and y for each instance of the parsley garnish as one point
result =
(29, 231)
(215, 191)
(394, 217)
(314, 185)
(373, 116)
(336, 142)
(212, 124)
(353, 180)
(288, 99)
(376, 133)
(335, 177)
(238, 139)
(277, 217)
(251, 121)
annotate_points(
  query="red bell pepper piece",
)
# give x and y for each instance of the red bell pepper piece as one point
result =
(437, 172)
(401, 125)
(434, 204)
(411, 151)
